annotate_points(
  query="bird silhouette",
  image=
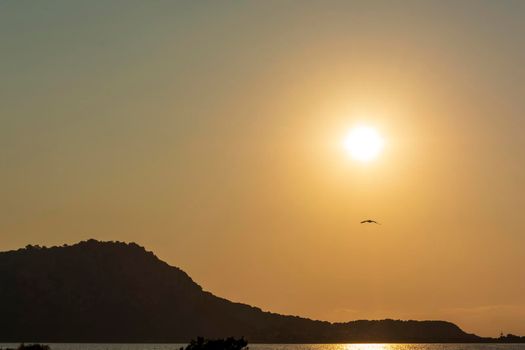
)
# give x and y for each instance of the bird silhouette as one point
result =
(370, 222)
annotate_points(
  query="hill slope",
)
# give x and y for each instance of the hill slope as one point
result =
(116, 292)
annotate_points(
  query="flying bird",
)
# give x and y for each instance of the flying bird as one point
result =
(370, 222)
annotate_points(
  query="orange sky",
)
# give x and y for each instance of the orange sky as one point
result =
(212, 133)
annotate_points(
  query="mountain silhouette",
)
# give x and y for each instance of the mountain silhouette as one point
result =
(116, 292)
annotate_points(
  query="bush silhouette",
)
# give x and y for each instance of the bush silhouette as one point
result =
(31, 347)
(217, 344)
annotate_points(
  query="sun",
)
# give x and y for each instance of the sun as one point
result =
(364, 143)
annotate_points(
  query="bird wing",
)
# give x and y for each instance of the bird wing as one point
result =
(370, 222)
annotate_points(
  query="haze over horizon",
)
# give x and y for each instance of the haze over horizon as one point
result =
(214, 135)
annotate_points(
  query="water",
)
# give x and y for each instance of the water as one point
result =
(290, 346)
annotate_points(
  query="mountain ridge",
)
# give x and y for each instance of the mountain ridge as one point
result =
(119, 292)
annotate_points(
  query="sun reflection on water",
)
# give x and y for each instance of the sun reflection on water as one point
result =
(371, 346)
(368, 347)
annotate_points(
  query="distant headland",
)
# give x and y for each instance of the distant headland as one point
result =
(118, 292)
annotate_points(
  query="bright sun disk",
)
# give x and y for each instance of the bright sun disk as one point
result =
(364, 143)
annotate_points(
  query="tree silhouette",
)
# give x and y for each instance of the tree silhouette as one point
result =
(216, 344)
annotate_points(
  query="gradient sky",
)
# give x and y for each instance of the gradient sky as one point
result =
(211, 133)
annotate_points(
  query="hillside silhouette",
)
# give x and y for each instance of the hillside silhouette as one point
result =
(117, 292)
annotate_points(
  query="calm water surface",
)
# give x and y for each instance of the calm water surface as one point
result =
(291, 346)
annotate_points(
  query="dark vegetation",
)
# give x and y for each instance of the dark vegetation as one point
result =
(31, 347)
(510, 338)
(217, 344)
(117, 292)
(200, 343)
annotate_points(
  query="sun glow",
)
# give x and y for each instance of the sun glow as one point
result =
(364, 143)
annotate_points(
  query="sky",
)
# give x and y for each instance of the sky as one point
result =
(212, 133)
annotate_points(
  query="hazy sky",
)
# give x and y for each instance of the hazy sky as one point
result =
(211, 133)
